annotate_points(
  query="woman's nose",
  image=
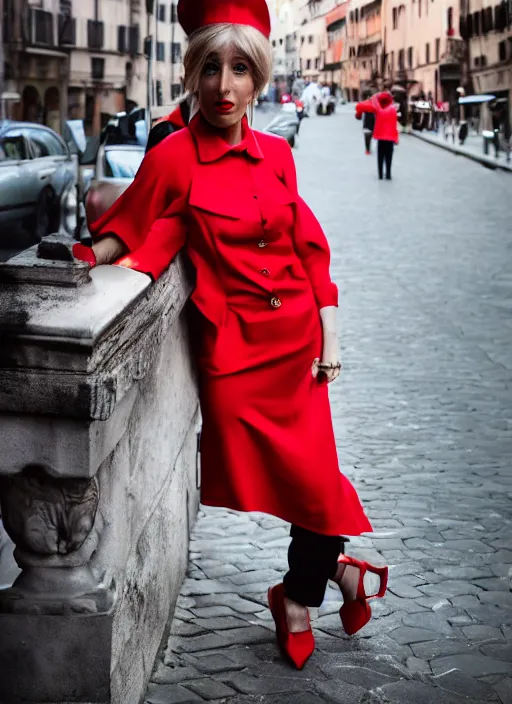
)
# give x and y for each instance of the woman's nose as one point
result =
(225, 80)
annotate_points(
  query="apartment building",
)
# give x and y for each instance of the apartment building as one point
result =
(88, 58)
(362, 55)
(423, 47)
(336, 28)
(487, 26)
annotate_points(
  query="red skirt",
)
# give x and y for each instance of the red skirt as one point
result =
(268, 443)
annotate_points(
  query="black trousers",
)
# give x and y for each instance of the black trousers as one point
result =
(313, 561)
(368, 141)
(385, 155)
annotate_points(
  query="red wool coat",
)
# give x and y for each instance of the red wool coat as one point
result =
(386, 116)
(262, 263)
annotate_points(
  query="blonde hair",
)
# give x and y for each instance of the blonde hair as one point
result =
(213, 38)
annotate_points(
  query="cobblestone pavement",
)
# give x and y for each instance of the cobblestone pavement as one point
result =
(422, 418)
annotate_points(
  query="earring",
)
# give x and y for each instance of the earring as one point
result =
(250, 112)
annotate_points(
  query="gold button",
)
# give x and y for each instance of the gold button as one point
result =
(262, 244)
(275, 302)
(265, 272)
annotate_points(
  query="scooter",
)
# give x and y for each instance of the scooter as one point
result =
(286, 123)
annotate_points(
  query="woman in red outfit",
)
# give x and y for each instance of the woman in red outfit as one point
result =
(386, 128)
(266, 303)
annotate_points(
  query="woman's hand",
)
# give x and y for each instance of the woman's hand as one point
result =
(330, 350)
(107, 250)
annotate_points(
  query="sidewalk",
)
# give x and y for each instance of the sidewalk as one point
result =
(472, 149)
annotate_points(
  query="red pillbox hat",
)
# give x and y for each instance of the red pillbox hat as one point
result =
(193, 14)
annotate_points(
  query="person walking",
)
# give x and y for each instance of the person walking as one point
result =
(265, 312)
(368, 129)
(386, 128)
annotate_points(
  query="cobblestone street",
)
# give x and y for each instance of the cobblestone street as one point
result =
(423, 423)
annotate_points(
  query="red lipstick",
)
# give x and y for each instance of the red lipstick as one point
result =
(224, 106)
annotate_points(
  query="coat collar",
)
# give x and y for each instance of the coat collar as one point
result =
(212, 147)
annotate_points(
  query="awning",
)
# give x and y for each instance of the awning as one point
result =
(333, 67)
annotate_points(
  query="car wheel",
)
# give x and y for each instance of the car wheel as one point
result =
(45, 215)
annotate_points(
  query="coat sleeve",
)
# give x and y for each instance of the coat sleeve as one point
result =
(366, 106)
(147, 218)
(310, 241)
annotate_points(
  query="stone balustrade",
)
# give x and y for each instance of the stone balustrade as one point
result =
(98, 475)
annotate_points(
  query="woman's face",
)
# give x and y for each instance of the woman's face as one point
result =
(226, 88)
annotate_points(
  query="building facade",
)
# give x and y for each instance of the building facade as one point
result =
(423, 48)
(487, 27)
(89, 59)
(362, 56)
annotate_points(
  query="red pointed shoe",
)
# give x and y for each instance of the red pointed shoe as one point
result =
(84, 254)
(356, 614)
(298, 647)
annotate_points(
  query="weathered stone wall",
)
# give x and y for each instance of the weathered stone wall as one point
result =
(98, 486)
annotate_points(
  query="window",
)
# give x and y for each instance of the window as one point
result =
(395, 18)
(449, 21)
(134, 39)
(392, 61)
(44, 143)
(160, 51)
(159, 93)
(401, 60)
(174, 14)
(274, 43)
(308, 64)
(97, 69)
(161, 13)
(419, 7)
(410, 57)
(427, 53)
(311, 39)
(122, 44)
(281, 42)
(148, 46)
(317, 63)
(94, 34)
(13, 147)
(438, 50)
(122, 163)
(67, 30)
(364, 64)
(476, 23)
(176, 91)
(43, 22)
(175, 52)
(502, 51)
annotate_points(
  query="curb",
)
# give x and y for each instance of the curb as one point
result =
(458, 151)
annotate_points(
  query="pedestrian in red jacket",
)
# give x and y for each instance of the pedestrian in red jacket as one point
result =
(266, 308)
(386, 128)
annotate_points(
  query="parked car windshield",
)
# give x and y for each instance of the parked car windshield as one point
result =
(122, 163)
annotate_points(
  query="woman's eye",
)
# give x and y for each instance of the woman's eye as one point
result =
(210, 68)
(240, 68)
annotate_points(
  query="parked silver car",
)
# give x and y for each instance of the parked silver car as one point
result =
(38, 176)
(116, 167)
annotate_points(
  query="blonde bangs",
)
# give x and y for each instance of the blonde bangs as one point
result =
(215, 38)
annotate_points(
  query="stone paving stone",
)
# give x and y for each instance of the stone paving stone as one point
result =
(170, 694)
(462, 684)
(406, 635)
(498, 651)
(417, 666)
(406, 692)
(429, 621)
(474, 664)
(182, 628)
(248, 684)
(210, 689)
(504, 690)
(477, 632)
(174, 675)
